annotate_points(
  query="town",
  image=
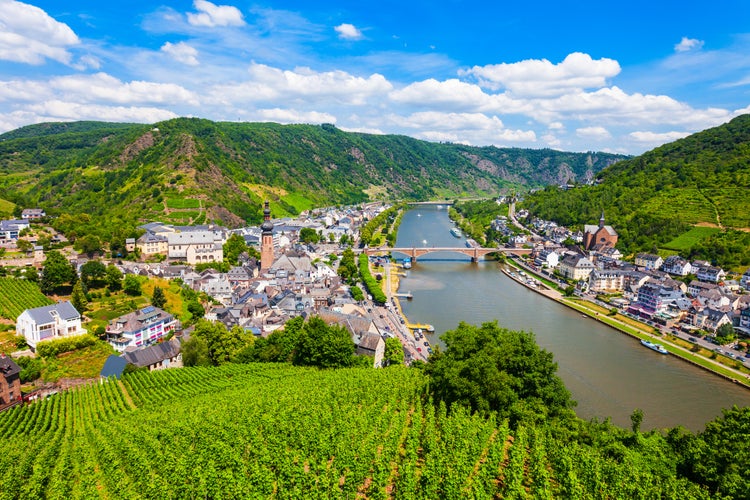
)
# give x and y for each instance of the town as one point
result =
(292, 267)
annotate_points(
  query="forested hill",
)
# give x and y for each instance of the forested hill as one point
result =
(695, 187)
(222, 171)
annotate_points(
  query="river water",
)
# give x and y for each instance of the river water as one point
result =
(609, 373)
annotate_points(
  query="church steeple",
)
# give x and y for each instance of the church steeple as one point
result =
(266, 239)
(601, 220)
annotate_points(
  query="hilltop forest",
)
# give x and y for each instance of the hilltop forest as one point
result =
(687, 197)
(97, 177)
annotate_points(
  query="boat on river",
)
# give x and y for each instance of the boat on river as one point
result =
(456, 232)
(654, 346)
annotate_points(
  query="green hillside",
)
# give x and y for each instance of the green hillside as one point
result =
(193, 170)
(654, 199)
(275, 431)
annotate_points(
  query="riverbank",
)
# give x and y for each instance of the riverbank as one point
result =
(640, 332)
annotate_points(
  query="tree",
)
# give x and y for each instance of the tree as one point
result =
(492, 369)
(357, 293)
(93, 274)
(308, 235)
(24, 246)
(725, 334)
(195, 352)
(131, 285)
(223, 345)
(279, 347)
(113, 278)
(394, 352)
(348, 266)
(233, 248)
(196, 309)
(88, 244)
(78, 297)
(324, 346)
(158, 299)
(57, 271)
(636, 418)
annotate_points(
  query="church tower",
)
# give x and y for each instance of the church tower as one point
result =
(266, 240)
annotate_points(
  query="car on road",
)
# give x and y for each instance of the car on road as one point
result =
(693, 339)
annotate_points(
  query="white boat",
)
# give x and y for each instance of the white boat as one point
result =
(654, 346)
(456, 232)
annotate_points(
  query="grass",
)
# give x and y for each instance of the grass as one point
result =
(82, 363)
(687, 240)
(8, 340)
(686, 204)
(6, 207)
(183, 203)
(185, 215)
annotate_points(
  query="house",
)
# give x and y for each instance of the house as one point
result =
(152, 244)
(576, 267)
(9, 229)
(711, 319)
(156, 357)
(674, 264)
(744, 325)
(745, 280)
(371, 344)
(704, 271)
(696, 287)
(140, 328)
(33, 213)
(649, 261)
(49, 322)
(547, 258)
(10, 383)
(607, 281)
(195, 247)
(601, 236)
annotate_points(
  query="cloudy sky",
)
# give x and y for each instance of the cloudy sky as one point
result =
(570, 75)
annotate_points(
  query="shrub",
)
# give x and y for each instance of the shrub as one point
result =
(50, 348)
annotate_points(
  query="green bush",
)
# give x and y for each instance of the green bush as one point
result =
(50, 348)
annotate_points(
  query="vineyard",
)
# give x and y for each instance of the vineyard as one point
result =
(18, 295)
(275, 431)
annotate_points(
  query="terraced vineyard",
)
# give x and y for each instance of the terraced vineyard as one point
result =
(274, 431)
(18, 295)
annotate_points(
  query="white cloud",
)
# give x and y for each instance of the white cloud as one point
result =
(656, 137)
(593, 133)
(181, 52)
(29, 35)
(536, 77)
(293, 116)
(687, 44)
(101, 87)
(303, 84)
(348, 31)
(57, 110)
(212, 15)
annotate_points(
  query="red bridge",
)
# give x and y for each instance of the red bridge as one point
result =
(474, 252)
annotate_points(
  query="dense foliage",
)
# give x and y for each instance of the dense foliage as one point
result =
(494, 370)
(655, 198)
(372, 285)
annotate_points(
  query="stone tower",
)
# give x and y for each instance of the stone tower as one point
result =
(266, 240)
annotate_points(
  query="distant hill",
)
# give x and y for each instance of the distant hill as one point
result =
(192, 170)
(689, 196)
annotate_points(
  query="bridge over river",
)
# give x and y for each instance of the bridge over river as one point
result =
(473, 252)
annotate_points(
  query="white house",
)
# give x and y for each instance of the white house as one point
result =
(195, 246)
(674, 264)
(49, 322)
(649, 261)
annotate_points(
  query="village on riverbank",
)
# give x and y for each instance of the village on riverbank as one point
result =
(304, 266)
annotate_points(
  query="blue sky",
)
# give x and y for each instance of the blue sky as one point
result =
(572, 75)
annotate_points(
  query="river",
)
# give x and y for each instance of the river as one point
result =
(609, 374)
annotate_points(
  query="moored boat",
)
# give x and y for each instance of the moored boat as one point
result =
(655, 347)
(456, 232)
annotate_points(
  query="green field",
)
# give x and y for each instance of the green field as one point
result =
(183, 203)
(276, 431)
(687, 240)
(17, 295)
